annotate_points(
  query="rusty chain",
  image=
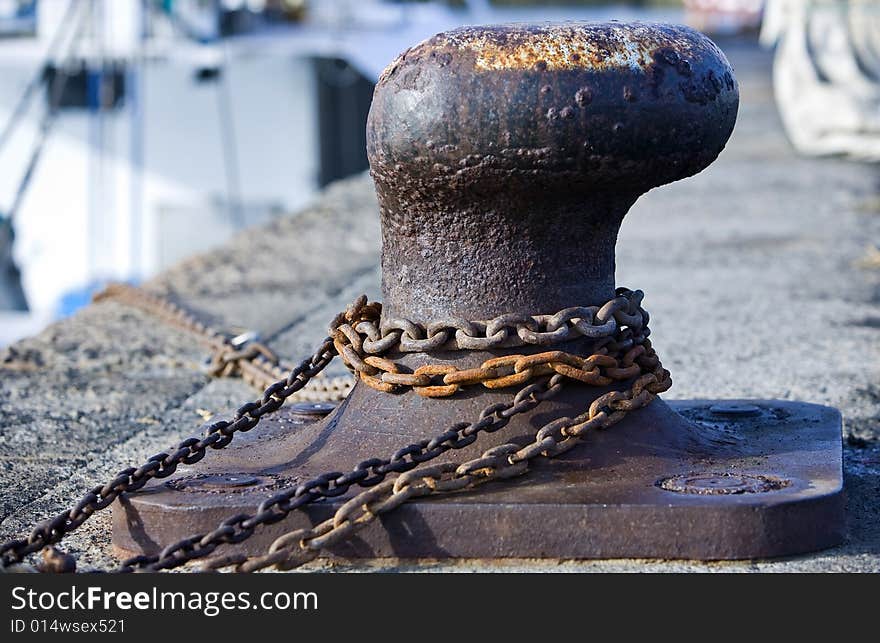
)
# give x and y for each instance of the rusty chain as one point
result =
(189, 451)
(375, 337)
(370, 472)
(504, 461)
(231, 356)
(373, 472)
(621, 323)
(500, 372)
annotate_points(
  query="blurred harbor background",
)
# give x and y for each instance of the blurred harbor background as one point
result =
(134, 133)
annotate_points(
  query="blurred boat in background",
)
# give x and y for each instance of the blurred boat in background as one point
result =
(826, 74)
(724, 16)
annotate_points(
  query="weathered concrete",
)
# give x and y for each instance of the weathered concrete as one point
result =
(758, 276)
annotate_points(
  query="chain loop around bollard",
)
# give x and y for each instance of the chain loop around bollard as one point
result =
(370, 472)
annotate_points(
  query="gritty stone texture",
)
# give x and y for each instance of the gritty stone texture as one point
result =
(759, 278)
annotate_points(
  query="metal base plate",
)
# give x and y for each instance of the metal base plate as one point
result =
(768, 484)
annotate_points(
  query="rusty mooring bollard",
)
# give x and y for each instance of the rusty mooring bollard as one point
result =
(505, 159)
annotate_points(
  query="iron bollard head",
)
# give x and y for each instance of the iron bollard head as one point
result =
(563, 105)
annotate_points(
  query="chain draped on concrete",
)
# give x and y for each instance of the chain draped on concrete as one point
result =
(231, 356)
(623, 352)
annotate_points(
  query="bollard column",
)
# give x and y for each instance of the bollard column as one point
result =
(505, 159)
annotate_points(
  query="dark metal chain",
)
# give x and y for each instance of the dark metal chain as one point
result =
(504, 331)
(498, 463)
(189, 451)
(368, 473)
(330, 485)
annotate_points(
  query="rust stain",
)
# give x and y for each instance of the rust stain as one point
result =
(561, 47)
